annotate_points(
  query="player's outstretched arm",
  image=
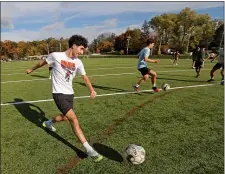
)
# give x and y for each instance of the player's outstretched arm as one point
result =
(38, 65)
(89, 86)
(151, 60)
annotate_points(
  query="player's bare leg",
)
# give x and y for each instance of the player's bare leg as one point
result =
(153, 80)
(144, 78)
(212, 74)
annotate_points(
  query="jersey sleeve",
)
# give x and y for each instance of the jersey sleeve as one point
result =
(50, 59)
(146, 53)
(80, 69)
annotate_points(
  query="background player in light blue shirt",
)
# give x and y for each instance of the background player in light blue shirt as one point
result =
(142, 66)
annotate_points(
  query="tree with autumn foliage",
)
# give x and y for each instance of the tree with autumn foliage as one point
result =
(182, 31)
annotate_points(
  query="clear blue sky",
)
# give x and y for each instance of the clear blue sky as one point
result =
(39, 20)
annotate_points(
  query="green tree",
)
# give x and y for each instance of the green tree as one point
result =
(135, 40)
(187, 20)
(156, 24)
(145, 29)
(218, 38)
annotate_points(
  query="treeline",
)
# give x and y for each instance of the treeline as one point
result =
(182, 31)
(21, 49)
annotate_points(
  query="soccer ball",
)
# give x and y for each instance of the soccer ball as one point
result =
(165, 86)
(135, 154)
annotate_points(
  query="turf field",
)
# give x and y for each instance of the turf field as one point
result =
(182, 129)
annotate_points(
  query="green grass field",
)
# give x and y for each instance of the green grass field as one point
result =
(182, 130)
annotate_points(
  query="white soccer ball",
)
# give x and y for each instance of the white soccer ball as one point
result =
(135, 154)
(165, 86)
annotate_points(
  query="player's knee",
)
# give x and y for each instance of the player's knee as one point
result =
(154, 74)
(61, 118)
(72, 119)
(65, 118)
(145, 77)
(75, 122)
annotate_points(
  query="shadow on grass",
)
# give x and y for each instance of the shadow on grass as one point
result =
(114, 89)
(29, 111)
(39, 76)
(108, 152)
(182, 75)
(104, 87)
(182, 80)
(174, 67)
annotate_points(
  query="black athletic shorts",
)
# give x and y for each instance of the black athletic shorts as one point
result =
(64, 102)
(144, 70)
(218, 66)
(198, 64)
(49, 68)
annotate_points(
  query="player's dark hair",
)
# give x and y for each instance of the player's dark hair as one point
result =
(150, 41)
(78, 40)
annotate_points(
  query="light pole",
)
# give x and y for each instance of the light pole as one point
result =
(60, 46)
(188, 41)
(128, 41)
(151, 49)
(48, 48)
(221, 40)
(96, 46)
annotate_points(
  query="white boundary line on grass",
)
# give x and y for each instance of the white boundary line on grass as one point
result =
(7, 68)
(91, 66)
(86, 70)
(121, 67)
(102, 95)
(17, 81)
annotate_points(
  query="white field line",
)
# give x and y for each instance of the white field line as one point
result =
(7, 68)
(17, 81)
(20, 73)
(86, 70)
(103, 95)
(92, 66)
(24, 80)
(83, 62)
(44, 70)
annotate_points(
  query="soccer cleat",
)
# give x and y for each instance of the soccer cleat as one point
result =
(50, 127)
(95, 156)
(136, 88)
(210, 80)
(197, 75)
(155, 89)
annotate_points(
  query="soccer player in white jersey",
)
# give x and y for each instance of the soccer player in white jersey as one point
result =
(142, 66)
(217, 66)
(65, 65)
